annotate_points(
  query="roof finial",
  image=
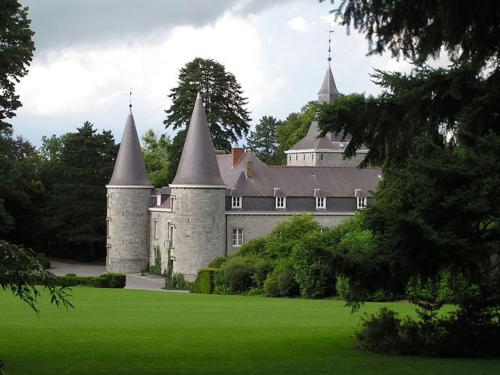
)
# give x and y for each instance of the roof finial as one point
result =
(330, 32)
(130, 100)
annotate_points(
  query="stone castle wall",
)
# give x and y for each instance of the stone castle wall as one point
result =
(199, 234)
(128, 229)
(160, 241)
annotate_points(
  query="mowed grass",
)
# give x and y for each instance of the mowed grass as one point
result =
(143, 332)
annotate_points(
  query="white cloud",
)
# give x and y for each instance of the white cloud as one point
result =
(298, 24)
(89, 78)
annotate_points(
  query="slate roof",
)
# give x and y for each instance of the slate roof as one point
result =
(198, 165)
(295, 181)
(129, 166)
(312, 141)
(328, 91)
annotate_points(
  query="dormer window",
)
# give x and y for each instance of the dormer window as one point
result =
(236, 201)
(361, 202)
(280, 202)
(320, 203)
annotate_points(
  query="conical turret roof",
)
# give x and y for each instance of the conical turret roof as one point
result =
(198, 164)
(328, 91)
(130, 169)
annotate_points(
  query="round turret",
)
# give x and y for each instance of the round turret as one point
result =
(128, 195)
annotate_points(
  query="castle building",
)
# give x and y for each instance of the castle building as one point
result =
(216, 203)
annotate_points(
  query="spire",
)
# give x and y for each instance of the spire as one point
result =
(198, 164)
(130, 169)
(328, 91)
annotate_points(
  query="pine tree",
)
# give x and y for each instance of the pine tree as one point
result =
(227, 117)
(263, 141)
(76, 212)
(436, 134)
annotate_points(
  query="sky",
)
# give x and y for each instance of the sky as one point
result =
(89, 53)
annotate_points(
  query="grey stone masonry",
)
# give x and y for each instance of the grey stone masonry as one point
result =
(128, 229)
(161, 220)
(199, 222)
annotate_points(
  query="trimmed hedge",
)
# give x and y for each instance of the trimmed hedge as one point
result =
(106, 280)
(204, 282)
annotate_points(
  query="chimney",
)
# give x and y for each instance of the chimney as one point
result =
(236, 154)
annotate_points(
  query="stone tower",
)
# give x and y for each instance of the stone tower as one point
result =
(197, 200)
(128, 194)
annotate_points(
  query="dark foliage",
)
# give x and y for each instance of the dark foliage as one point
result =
(222, 98)
(106, 280)
(16, 54)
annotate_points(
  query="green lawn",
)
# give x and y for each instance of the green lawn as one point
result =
(140, 332)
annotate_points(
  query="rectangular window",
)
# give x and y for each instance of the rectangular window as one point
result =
(296, 157)
(237, 237)
(361, 203)
(108, 200)
(172, 199)
(320, 156)
(280, 202)
(107, 228)
(304, 157)
(290, 158)
(155, 229)
(320, 203)
(235, 202)
(170, 235)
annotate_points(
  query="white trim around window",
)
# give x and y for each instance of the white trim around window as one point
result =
(361, 202)
(236, 201)
(280, 202)
(237, 237)
(321, 203)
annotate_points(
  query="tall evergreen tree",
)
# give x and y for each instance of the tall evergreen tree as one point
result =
(436, 134)
(263, 141)
(76, 212)
(227, 116)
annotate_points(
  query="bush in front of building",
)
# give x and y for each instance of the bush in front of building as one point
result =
(205, 281)
(234, 277)
(281, 282)
(106, 280)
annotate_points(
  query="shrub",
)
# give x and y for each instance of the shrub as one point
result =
(312, 261)
(280, 242)
(380, 332)
(234, 277)
(262, 268)
(204, 282)
(284, 276)
(217, 262)
(254, 247)
(106, 280)
(459, 334)
(271, 287)
(176, 281)
(110, 280)
(155, 269)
